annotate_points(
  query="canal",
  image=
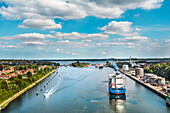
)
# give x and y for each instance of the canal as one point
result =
(85, 90)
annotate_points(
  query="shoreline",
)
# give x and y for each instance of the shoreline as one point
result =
(8, 101)
(147, 85)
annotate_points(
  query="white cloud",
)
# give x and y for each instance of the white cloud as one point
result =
(41, 9)
(72, 44)
(136, 38)
(28, 37)
(118, 43)
(75, 9)
(119, 28)
(43, 24)
(76, 35)
(30, 43)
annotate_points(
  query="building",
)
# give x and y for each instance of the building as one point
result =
(161, 81)
(139, 72)
(154, 79)
(31, 70)
(8, 76)
(125, 68)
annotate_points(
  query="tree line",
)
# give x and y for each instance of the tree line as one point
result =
(15, 84)
(160, 69)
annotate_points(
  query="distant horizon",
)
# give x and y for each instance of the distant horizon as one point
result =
(83, 58)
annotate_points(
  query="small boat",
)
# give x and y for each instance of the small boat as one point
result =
(168, 99)
(37, 93)
(41, 89)
(100, 66)
(46, 93)
(96, 65)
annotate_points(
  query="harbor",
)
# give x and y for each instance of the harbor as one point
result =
(147, 85)
(73, 94)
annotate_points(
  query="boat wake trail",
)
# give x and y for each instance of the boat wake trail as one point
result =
(61, 85)
(53, 89)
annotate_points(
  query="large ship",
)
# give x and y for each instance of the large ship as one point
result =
(117, 84)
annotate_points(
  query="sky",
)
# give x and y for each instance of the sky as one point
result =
(59, 29)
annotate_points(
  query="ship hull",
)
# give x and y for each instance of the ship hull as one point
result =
(117, 91)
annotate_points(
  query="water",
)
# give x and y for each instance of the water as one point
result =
(85, 90)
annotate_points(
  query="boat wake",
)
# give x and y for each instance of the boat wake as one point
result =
(73, 81)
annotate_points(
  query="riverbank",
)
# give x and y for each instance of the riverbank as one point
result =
(6, 103)
(147, 85)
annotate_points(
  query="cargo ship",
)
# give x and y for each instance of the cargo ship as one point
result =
(117, 84)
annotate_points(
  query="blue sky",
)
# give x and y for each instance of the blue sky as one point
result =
(84, 28)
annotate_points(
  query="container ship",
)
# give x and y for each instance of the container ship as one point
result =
(117, 84)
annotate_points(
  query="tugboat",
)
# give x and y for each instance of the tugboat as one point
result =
(117, 84)
(100, 66)
(168, 99)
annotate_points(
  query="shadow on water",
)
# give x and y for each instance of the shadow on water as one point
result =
(117, 103)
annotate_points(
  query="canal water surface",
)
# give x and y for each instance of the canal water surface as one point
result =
(85, 90)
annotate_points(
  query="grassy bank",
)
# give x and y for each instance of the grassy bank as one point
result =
(6, 102)
(80, 64)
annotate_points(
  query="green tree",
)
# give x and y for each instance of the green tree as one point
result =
(29, 74)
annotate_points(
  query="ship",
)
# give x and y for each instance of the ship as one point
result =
(168, 99)
(117, 84)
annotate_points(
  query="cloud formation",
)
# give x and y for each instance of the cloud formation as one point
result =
(43, 24)
(75, 9)
(76, 35)
(28, 37)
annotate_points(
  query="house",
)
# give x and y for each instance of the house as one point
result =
(31, 70)
(8, 76)
(4, 76)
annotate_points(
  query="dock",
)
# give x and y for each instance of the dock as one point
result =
(147, 85)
